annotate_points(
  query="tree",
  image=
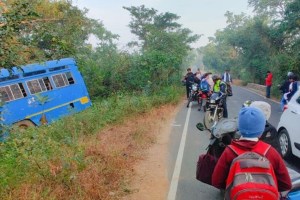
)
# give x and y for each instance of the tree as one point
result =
(35, 30)
(272, 8)
(164, 44)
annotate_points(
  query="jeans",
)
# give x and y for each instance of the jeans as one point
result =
(282, 103)
(268, 91)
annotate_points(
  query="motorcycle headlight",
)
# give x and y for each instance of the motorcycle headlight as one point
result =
(194, 87)
(212, 101)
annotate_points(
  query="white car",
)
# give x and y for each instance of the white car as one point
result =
(288, 128)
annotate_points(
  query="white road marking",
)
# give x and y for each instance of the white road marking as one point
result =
(176, 124)
(177, 168)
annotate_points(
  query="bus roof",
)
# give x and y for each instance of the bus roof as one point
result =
(36, 67)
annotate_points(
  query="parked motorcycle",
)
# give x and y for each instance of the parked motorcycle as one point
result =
(229, 89)
(194, 95)
(203, 98)
(214, 110)
(223, 131)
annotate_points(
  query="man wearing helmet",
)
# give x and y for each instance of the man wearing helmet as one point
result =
(220, 88)
(284, 87)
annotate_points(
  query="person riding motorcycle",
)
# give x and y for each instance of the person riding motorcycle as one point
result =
(220, 87)
(189, 80)
(204, 89)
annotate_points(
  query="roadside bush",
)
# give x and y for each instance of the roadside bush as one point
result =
(50, 157)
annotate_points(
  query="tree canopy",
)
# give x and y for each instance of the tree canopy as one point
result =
(252, 45)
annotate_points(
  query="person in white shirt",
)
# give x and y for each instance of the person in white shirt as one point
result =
(226, 77)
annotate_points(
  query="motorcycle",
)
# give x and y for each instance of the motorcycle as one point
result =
(214, 110)
(194, 96)
(229, 89)
(223, 131)
(203, 96)
(221, 134)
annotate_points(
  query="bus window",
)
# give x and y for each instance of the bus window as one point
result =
(34, 73)
(39, 85)
(34, 86)
(58, 68)
(70, 78)
(22, 89)
(17, 93)
(5, 94)
(12, 92)
(47, 83)
(60, 80)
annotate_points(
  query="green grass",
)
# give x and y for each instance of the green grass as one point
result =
(52, 154)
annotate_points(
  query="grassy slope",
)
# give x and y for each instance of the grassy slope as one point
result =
(86, 156)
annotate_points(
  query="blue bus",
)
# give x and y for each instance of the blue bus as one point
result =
(40, 93)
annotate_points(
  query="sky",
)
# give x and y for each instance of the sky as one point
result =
(203, 17)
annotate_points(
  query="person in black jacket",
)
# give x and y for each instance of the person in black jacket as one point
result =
(189, 80)
(284, 87)
(293, 87)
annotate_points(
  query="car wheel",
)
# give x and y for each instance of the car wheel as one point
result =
(285, 144)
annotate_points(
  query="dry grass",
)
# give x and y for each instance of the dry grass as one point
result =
(237, 82)
(114, 152)
(110, 158)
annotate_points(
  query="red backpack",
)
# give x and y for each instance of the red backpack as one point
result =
(251, 175)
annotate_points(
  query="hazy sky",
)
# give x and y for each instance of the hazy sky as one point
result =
(200, 16)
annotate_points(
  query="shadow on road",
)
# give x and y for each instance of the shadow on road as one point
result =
(294, 163)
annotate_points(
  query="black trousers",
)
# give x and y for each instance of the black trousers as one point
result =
(224, 104)
(188, 88)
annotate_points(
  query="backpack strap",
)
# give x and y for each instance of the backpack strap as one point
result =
(261, 148)
(236, 150)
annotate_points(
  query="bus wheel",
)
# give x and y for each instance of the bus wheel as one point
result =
(24, 124)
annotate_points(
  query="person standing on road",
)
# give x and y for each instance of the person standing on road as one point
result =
(268, 83)
(284, 87)
(189, 80)
(251, 124)
(293, 87)
(220, 87)
(226, 77)
(198, 76)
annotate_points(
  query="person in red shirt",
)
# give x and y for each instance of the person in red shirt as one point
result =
(251, 124)
(268, 83)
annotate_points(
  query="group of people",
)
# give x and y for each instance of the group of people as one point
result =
(220, 85)
(288, 88)
(252, 125)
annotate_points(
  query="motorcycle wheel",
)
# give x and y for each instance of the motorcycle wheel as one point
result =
(209, 119)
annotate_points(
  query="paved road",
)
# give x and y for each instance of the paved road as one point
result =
(187, 142)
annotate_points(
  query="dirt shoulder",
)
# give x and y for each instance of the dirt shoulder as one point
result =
(128, 159)
(150, 180)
